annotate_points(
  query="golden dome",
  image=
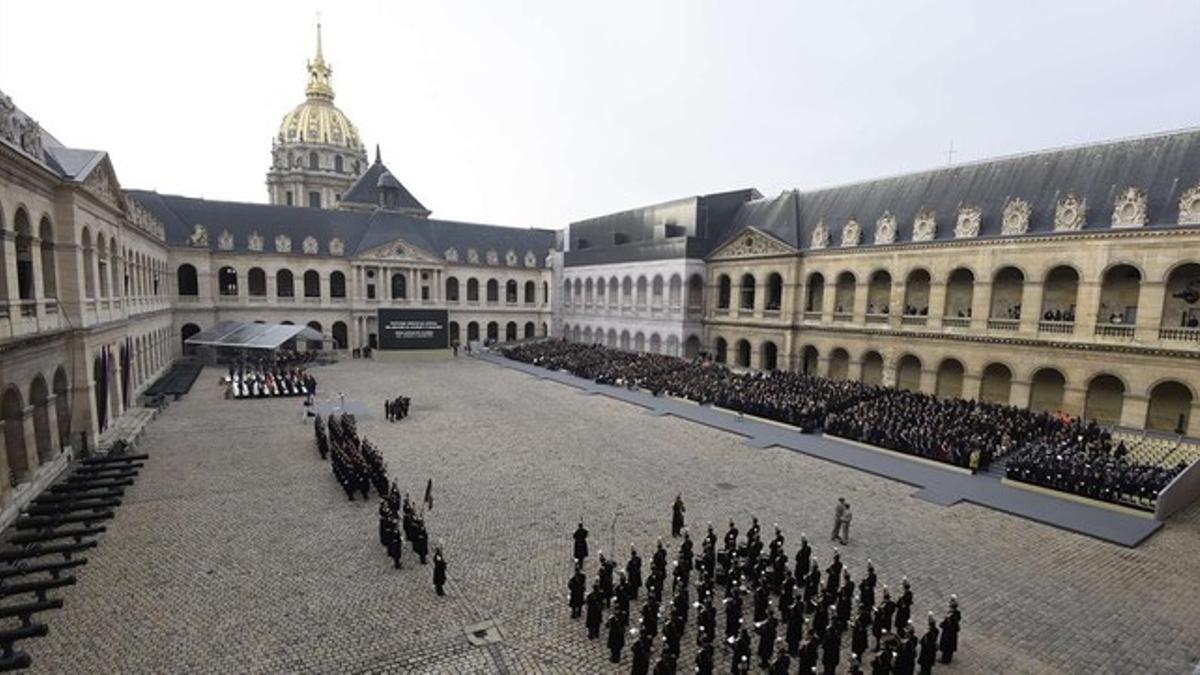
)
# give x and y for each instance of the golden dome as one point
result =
(318, 120)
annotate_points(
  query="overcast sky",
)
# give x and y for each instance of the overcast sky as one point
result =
(539, 113)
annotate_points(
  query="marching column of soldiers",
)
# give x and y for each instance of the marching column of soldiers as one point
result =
(797, 612)
(400, 521)
(358, 465)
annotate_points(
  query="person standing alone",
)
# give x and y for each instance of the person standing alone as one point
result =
(837, 519)
(677, 511)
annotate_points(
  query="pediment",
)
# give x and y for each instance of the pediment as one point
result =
(400, 250)
(751, 243)
(102, 183)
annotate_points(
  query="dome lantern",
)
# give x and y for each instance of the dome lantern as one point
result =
(319, 75)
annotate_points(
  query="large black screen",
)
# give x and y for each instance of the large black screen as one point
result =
(413, 329)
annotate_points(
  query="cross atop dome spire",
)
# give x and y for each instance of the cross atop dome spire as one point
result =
(319, 74)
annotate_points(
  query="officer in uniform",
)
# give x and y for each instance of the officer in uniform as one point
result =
(616, 638)
(677, 511)
(439, 570)
(581, 547)
(577, 587)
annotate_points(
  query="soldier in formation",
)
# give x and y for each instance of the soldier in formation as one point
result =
(779, 612)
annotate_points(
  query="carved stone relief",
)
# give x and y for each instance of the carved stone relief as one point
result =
(1129, 209)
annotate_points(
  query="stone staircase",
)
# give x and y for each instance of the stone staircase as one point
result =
(128, 428)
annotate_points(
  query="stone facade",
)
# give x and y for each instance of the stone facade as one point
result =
(85, 302)
(970, 318)
(341, 296)
(654, 306)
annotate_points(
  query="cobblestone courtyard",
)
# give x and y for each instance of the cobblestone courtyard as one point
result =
(236, 551)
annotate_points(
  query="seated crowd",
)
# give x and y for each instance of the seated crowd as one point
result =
(1085, 461)
(961, 432)
(268, 381)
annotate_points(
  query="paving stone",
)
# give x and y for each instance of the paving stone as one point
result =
(235, 550)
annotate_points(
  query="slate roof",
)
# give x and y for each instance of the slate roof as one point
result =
(707, 219)
(69, 163)
(1164, 165)
(359, 231)
(777, 216)
(366, 189)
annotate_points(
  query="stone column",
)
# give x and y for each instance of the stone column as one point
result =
(52, 423)
(895, 303)
(928, 382)
(888, 370)
(937, 302)
(31, 454)
(972, 385)
(1134, 409)
(1151, 296)
(8, 248)
(1087, 306)
(39, 290)
(862, 291)
(1018, 393)
(1073, 400)
(5, 488)
(1031, 307)
(981, 305)
(828, 297)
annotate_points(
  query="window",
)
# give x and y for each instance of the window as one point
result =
(186, 280)
(337, 164)
(284, 284)
(314, 162)
(314, 200)
(228, 281)
(337, 285)
(288, 194)
(312, 284)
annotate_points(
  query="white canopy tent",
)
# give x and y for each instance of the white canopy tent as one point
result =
(244, 335)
